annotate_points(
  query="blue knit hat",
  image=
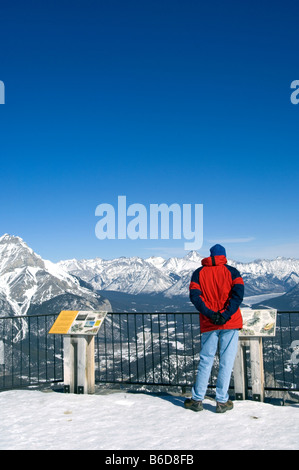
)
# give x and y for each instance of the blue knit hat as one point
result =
(217, 250)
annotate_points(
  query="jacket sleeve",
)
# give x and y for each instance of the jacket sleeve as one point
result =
(236, 295)
(195, 295)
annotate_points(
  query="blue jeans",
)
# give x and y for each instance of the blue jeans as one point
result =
(228, 345)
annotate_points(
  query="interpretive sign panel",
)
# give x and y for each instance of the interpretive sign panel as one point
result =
(258, 322)
(78, 322)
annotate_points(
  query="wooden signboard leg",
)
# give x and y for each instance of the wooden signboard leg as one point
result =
(240, 375)
(79, 370)
(257, 368)
(69, 352)
(86, 377)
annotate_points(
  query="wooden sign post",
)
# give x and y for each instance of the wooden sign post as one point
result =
(240, 373)
(78, 365)
(256, 325)
(79, 329)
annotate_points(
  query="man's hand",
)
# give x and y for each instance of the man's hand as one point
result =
(218, 319)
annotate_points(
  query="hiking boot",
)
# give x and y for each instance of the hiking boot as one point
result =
(193, 405)
(223, 407)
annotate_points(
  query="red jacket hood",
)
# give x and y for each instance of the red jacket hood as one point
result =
(214, 260)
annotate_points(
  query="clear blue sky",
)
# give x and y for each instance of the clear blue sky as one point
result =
(163, 101)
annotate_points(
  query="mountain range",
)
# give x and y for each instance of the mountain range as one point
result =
(166, 281)
(30, 285)
(172, 276)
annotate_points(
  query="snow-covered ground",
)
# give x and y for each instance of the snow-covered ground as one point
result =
(33, 419)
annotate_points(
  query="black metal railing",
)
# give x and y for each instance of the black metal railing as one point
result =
(148, 348)
(137, 348)
(163, 349)
(28, 354)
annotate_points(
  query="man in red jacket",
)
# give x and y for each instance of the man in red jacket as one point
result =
(217, 291)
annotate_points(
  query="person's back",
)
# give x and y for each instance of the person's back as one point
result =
(216, 290)
(217, 287)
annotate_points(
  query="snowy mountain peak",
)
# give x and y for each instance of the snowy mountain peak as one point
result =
(27, 282)
(10, 240)
(193, 256)
(15, 253)
(7, 237)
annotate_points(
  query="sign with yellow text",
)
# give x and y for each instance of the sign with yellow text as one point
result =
(78, 322)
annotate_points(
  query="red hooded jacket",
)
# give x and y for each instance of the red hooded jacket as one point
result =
(217, 287)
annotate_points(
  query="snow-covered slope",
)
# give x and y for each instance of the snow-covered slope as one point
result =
(278, 275)
(130, 275)
(27, 281)
(134, 275)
